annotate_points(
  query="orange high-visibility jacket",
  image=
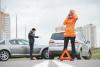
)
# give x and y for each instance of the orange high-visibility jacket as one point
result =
(70, 26)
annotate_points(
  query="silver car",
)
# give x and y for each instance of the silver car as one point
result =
(82, 46)
(20, 47)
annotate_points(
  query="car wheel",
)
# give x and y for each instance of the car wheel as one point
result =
(89, 56)
(4, 55)
(45, 54)
(79, 56)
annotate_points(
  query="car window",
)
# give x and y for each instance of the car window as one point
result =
(13, 42)
(20, 43)
(23, 42)
(26, 42)
(57, 36)
(2, 42)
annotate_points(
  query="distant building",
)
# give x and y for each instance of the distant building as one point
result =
(4, 25)
(60, 29)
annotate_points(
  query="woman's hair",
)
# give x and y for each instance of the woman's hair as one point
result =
(72, 13)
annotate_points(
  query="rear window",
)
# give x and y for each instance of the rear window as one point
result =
(57, 36)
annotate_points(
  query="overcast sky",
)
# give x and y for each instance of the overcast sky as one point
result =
(45, 15)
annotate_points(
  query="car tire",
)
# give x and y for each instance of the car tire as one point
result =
(79, 55)
(45, 54)
(4, 55)
(89, 55)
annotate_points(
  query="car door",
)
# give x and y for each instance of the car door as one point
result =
(36, 48)
(25, 46)
(16, 48)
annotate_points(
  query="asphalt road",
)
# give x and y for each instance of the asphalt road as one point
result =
(25, 62)
(19, 63)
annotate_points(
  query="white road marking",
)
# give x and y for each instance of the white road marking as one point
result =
(61, 64)
(58, 63)
(42, 64)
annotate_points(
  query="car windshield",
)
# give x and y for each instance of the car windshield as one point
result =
(57, 36)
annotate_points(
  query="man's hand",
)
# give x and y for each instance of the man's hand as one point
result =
(36, 36)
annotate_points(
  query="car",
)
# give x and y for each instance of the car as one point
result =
(82, 46)
(20, 48)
